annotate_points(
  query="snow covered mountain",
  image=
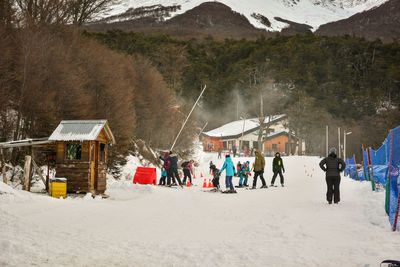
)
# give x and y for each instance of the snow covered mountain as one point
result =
(265, 14)
(378, 23)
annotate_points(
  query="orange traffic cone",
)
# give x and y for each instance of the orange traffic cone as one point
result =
(205, 184)
(210, 185)
(188, 184)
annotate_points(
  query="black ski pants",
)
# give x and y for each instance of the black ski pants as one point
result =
(256, 174)
(333, 191)
(172, 175)
(215, 182)
(162, 180)
(280, 176)
(187, 174)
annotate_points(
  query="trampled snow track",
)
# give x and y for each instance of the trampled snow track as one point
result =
(155, 226)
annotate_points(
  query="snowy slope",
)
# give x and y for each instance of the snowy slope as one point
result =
(153, 226)
(311, 12)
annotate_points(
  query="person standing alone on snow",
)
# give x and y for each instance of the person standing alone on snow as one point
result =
(332, 166)
(258, 168)
(277, 168)
(230, 170)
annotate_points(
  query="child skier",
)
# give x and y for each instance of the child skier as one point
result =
(212, 167)
(238, 166)
(242, 174)
(216, 174)
(163, 176)
(247, 173)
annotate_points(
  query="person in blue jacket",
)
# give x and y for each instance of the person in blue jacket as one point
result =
(230, 171)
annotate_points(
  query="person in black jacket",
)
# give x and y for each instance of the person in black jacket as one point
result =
(277, 168)
(174, 168)
(332, 166)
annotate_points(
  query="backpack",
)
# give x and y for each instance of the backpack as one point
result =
(185, 164)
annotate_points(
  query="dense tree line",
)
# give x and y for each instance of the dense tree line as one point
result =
(339, 81)
(50, 72)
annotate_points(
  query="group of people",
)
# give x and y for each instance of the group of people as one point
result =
(243, 171)
(331, 165)
(169, 171)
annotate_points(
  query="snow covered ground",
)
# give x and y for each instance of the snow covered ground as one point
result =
(156, 226)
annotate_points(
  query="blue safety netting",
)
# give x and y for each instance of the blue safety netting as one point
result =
(365, 177)
(380, 162)
(351, 168)
(394, 179)
(382, 167)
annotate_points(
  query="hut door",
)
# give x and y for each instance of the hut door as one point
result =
(94, 161)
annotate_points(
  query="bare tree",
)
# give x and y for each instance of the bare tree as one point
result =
(41, 12)
(7, 12)
(77, 12)
(84, 10)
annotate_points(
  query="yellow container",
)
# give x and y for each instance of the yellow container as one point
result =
(58, 187)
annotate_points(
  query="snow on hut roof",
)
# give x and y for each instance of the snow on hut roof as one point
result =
(81, 130)
(235, 128)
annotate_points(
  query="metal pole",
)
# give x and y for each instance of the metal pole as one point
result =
(202, 129)
(244, 123)
(339, 140)
(344, 144)
(326, 138)
(237, 107)
(187, 118)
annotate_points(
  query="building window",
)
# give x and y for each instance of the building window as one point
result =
(73, 151)
(255, 144)
(275, 147)
(245, 145)
(102, 152)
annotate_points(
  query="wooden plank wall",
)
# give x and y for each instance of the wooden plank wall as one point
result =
(102, 177)
(77, 174)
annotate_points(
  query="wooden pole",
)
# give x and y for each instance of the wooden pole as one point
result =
(3, 169)
(187, 118)
(27, 173)
(326, 140)
(48, 174)
(37, 169)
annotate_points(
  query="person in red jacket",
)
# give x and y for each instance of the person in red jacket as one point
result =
(187, 171)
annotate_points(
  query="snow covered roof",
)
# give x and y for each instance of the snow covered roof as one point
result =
(81, 130)
(235, 128)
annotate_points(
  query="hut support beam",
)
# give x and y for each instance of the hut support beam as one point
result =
(3, 164)
(27, 173)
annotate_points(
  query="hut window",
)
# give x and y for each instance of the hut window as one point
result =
(102, 152)
(74, 151)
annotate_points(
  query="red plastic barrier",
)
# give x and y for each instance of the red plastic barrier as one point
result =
(145, 175)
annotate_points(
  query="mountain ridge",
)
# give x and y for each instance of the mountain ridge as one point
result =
(310, 12)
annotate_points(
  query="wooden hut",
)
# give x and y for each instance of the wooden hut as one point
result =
(81, 154)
